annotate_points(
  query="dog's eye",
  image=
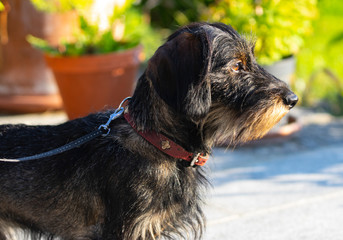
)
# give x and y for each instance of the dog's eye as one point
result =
(237, 67)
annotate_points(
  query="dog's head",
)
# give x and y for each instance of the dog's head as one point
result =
(208, 74)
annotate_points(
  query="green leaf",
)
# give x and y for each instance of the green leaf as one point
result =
(42, 45)
(2, 7)
(60, 6)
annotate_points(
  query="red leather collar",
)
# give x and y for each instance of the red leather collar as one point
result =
(168, 146)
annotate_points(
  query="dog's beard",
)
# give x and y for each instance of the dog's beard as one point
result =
(231, 127)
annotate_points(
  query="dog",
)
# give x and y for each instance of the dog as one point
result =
(201, 86)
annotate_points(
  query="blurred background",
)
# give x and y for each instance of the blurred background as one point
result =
(300, 41)
(63, 59)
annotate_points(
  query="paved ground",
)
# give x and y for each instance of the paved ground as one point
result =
(289, 189)
(281, 189)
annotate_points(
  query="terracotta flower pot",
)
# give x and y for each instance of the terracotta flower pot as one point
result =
(94, 82)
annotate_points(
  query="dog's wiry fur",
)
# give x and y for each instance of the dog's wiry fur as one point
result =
(202, 85)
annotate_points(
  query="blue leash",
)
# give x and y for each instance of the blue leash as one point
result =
(103, 130)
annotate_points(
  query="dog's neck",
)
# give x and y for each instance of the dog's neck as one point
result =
(168, 146)
(150, 112)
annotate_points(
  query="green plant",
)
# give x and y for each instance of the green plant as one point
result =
(123, 28)
(53, 6)
(171, 14)
(279, 26)
(319, 72)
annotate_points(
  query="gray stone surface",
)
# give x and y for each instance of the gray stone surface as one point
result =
(280, 189)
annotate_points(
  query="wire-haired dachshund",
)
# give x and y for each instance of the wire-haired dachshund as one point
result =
(144, 179)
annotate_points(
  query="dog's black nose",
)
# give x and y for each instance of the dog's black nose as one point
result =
(291, 99)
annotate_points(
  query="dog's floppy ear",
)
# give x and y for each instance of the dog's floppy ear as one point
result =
(178, 72)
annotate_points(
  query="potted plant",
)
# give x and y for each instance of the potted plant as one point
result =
(97, 69)
(279, 27)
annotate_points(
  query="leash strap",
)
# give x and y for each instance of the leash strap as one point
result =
(74, 144)
(103, 130)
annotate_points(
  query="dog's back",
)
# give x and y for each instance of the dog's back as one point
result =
(47, 195)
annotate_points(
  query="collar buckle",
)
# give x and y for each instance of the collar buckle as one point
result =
(199, 159)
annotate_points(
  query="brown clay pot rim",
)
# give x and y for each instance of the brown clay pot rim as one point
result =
(94, 63)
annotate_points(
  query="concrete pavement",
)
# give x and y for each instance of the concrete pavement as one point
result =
(291, 189)
(293, 196)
